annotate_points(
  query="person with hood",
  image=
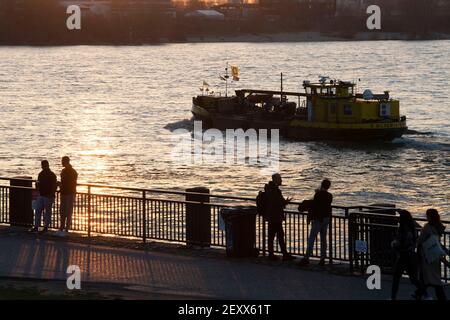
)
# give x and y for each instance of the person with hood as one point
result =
(275, 216)
(404, 246)
(430, 263)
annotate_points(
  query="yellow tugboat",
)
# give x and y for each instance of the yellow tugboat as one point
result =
(327, 110)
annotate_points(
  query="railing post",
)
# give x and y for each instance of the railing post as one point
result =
(144, 220)
(263, 236)
(362, 235)
(89, 211)
(330, 240)
(350, 238)
(198, 217)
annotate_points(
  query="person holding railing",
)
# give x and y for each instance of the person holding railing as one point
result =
(432, 253)
(46, 185)
(320, 219)
(275, 216)
(68, 190)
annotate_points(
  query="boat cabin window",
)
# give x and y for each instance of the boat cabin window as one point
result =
(332, 107)
(327, 91)
(347, 110)
(345, 91)
(333, 91)
(324, 91)
(351, 90)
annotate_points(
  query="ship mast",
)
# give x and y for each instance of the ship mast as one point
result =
(281, 87)
(226, 80)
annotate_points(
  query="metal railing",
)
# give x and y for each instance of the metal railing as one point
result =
(377, 231)
(155, 214)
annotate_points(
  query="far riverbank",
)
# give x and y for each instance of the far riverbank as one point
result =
(318, 36)
(306, 36)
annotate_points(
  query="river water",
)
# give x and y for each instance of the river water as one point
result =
(114, 109)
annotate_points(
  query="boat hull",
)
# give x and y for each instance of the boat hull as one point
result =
(304, 130)
(311, 134)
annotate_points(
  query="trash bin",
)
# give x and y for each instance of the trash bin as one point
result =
(240, 231)
(198, 218)
(382, 233)
(20, 209)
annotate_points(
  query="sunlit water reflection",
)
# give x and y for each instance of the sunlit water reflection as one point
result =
(112, 110)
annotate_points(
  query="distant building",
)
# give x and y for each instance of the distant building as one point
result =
(13, 6)
(142, 6)
(442, 8)
(357, 8)
(324, 8)
(238, 11)
(97, 7)
(305, 8)
(393, 8)
(205, 14)
(3, 7)
(121, 7)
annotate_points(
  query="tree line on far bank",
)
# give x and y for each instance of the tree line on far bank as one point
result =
(44, 22)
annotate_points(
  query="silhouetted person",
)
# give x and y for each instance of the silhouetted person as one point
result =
(406, 257)
(430, 271)
(68, 188)
(320, 219)
(275, 215)
(46, 185)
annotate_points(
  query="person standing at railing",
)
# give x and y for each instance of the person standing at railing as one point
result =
(406, 257)
(68, 190)
(432, 253)
(320, 219)
(274, 214)
(46, 185)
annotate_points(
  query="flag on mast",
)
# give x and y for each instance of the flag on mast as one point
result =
(235, 73)
(205, 87)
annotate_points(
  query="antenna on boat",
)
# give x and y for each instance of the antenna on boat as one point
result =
(281, 87)
(357, 80)
(226, 80)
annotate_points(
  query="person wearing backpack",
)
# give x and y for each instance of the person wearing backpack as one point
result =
(320, 218)
(404, 245)
(274, 215)
(432, 253)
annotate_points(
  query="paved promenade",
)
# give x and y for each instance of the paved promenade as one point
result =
(25, 255)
